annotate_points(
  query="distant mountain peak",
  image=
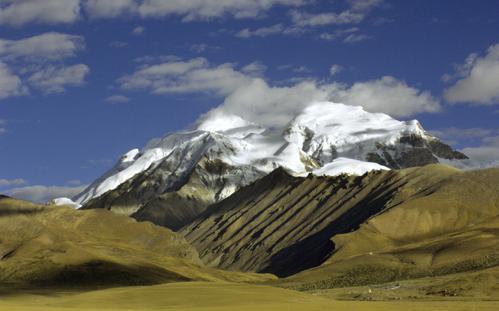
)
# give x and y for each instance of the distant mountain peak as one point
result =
(224, 152)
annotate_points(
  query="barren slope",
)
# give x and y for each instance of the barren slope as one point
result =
(282, 224)
(58, 246)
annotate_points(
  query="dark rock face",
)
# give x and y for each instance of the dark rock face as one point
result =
(417, 157)
(444, 151)
(412, 151)
(146, 197)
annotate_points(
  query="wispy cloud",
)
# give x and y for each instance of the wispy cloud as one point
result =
(117, 99)
(260, 32)
(38, 62)
(12, 182)
(43, 194)
(17, 13)
(3, 128)
(47, 46)
(139, 30)
(335, 69)
(53, 79)
(348, 35)
(10, 83)
(195, 75)
(118, 44)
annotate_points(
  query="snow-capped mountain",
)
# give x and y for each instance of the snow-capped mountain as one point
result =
(176, 177)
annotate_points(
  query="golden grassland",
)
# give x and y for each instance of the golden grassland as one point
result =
(215, 296)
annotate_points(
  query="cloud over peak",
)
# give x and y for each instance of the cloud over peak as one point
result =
(247, 94)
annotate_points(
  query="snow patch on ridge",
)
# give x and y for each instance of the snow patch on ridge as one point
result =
(348, 166)
(65, 202)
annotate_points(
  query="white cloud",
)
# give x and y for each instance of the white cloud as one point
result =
(12, 182)
(74, 182)
(255, 69)
(335, 69)
(208, 9)
(188, 9)
(51, 46)
(337, 34)
(3, 124)
(357, 12)
(43, 194)
(354, 38)
(301, 69)
(389, 95)
(251, 97)
(272, 106)
(478, 79)
(364, 5)
(195, 75)
(117, 99)
(349, 35)
(53, 79)
(199, 48)
(35, 57)
(461, 70)
(138, 30)
(10, 84)
(109, 8)
(148, 59)
(487, 153)
(303, 19)
(295, 69)
(454, 133)
(261, 32)
(464, 136)
(20, 12)
(118, 44)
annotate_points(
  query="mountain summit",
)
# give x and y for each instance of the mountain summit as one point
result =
(173, 179)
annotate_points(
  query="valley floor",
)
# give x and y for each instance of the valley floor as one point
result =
(218, 296)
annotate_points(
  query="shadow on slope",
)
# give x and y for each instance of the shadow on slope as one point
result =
(283, 225)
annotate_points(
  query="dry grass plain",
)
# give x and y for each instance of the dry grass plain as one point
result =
(216, 296)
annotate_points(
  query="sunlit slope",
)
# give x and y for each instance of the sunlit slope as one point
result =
(284, 224)
(58, 246)
(449, 227)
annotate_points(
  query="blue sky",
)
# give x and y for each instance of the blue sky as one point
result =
(82, 82)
